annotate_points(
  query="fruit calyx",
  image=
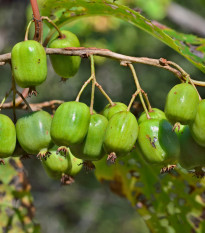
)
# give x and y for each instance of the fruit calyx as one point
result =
(176, 126)
(112, 157)
(199, 173)
(63, 80)
(62, 150)
(67, 180)
(167, 169)
(43, 154)
(32, 91)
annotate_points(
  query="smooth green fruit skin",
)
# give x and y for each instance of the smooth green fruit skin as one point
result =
(181, 104)
(110, 110)
(70, 123)
(155, 114)
(121, 133)
(56, 164)
(198, 125)
(7, 136)
(29, 64)
(33, 131)
(192, 155)
(92, 147)
(157, 142)
(77, 165)
(65, 66)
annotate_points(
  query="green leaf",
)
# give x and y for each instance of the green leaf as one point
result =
(168, 202)
(63, 12)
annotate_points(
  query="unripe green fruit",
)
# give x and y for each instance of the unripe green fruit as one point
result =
(29, 64)
(7, 136)
(181, 104)
(33, 131)
(157, 142)
(192, 155)
(70, 123)
(198, 125)
(110, 110)
(56, 164)
(92, 146)
(155, 114)
(121, 133)
(77, 164)
(65, 66)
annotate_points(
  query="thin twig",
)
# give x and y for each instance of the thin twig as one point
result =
(25, 101)
(54, 25)
(82, 89)
(36, 106)
(132, 99)
(147, 101)
(14, 99)
(93, 84)
(104, 93)
(139, 89)
(4, 99)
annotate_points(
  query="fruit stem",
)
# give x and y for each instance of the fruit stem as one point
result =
(185, 75)
(25, 101)
(132, 100)
(37, 20)
(54, 25)
(27, 30)
(93, 83)
(14, 99)
(147, 100)
(5, 97)
(139, 89)
(104, 93)
(82, 89)
(192, 83)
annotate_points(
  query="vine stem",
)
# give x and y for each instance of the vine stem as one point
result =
(27, 30)
(124, 59)
(37, 20)
(82, 89)
(104, 93)
(4, 99)
(139, 89)
(54, 25)
(93, 84)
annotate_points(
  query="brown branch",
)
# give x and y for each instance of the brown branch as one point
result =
(124, 60)
(35, 107)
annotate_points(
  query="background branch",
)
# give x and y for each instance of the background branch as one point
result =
(35, 107)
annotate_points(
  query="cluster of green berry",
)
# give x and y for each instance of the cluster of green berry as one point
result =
(74, 129)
